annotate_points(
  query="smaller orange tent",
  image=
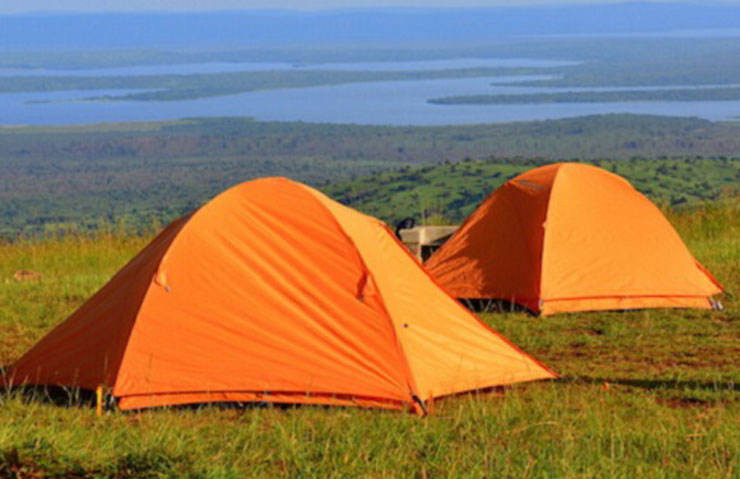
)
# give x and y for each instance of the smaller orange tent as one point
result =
(274, 292)
(571, 237)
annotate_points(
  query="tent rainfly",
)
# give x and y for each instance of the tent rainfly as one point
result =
(273, 292)
(572, 237)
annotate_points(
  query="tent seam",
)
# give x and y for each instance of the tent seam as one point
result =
(546, 228)
(468, 312)
(411, 383)
(532, 258)
(467, 220)
(187, 217)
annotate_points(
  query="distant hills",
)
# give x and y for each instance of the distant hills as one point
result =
(79, 176)
(387, 26)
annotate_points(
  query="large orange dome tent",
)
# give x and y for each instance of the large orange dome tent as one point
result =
(571, 237)
(274, 292)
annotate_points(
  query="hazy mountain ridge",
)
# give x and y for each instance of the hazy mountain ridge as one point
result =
(361, 26)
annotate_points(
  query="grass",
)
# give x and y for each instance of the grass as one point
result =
(643, 394)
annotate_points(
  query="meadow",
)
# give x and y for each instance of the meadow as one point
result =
(651, 393)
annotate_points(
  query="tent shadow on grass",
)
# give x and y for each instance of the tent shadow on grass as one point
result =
(85, 399)
(54, 395)
(493, 305)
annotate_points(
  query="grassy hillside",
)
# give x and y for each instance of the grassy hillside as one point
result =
(450, 192)
(642, 394)
(76, 177)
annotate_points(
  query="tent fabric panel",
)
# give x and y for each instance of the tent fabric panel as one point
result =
(86, 349)
(604, 238)
(449, 350)
(497, 252)
(262, 292)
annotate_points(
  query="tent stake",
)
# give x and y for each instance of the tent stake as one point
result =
(99, 400)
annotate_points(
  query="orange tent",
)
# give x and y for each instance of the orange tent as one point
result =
(571, 237)
(274, 292)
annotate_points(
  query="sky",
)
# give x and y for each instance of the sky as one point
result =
(25, 6)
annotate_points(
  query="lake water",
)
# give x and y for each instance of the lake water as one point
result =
(373, 103)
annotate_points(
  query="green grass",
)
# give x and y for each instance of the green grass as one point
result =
(643, 394)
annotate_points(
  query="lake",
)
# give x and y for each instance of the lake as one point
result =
(371, 103)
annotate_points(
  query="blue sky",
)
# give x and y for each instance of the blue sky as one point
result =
(22, 6)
